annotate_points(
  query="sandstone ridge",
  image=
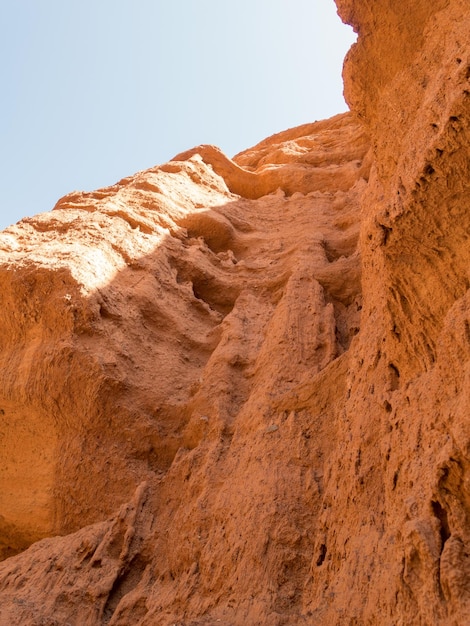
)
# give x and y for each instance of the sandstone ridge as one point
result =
(235, 391)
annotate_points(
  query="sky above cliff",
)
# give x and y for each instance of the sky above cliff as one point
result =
(96, 90)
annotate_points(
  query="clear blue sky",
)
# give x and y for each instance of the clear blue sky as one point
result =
(95, 90)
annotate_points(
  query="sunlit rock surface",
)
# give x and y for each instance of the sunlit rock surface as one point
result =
(237, 391)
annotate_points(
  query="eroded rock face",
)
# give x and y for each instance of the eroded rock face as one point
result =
(411, 374)
(267, 358)
(181, 329)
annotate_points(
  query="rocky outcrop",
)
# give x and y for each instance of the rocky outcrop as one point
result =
(410, 376)
(266, 358)
(172, 331)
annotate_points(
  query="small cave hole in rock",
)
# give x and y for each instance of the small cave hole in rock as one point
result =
(394, 376)
(322, 555)
(428, 169)
(467, 330)
(441, 515)
(386, 232)
(214, 294)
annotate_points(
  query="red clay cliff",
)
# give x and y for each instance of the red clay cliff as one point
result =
(237, 391)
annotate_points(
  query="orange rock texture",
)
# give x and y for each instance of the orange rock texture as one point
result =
(237, 391)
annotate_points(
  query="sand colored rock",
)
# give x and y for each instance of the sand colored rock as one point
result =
(236, 391)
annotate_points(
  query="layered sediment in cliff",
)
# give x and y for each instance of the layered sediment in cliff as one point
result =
(237, 389)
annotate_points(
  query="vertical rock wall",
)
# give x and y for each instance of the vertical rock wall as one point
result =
(267, 359)
(403, 555)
